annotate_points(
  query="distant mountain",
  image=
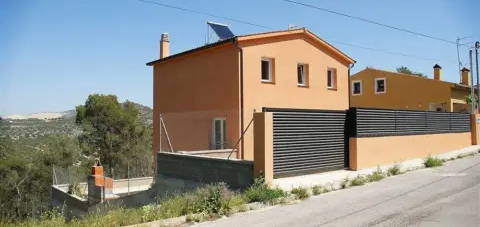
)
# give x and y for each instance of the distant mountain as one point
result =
(32, 125)
(40, 116)
(146, 113)
(69, 114)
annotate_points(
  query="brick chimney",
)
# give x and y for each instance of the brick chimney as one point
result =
(100, 188)
(437, 72)
(164, 46)
(465, 77)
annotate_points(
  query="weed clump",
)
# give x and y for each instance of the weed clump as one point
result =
(261, 192)
(377, 175)
(358, 180)
(345, 183)
(300, 193)
(394, 170)
(317, 190)
(433, 162)
(464, 155)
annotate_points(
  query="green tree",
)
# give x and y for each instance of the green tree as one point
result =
(406, 70)
(26, 172)
(115, 133)
(468, 98)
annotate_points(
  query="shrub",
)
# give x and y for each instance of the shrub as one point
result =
(74, 189)
(200, 204)
(317, 189)
(174, 207)
(260, 192)
(47, 219)
(394, 170)
(195, 217)
(433, 162)
(237, 200)
(376, 176)
(300, 193)
(345, 183)
(359, 180)
(208, 200)
(149, 213)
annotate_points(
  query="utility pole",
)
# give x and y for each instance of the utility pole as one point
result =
(473, 101)
(458, 55)
(477, 45)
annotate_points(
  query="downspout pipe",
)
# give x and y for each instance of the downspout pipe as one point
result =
(350, 66)
(347, 121)
(235, 43)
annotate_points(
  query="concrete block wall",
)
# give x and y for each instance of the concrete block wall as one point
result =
(238, 174)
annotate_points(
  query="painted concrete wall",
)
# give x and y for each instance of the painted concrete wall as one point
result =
(263, 146)
(283, 92)
(405, 92)
(190, 91)
(475, 128)
(366, 152)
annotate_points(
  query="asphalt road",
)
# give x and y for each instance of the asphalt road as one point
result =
(443, 196)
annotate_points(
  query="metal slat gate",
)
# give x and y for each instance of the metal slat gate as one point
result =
(307, 141)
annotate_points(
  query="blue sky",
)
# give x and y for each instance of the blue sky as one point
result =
(53, 53)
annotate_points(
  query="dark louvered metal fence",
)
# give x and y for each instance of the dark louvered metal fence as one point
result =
(317, 140)
(381, 122)
(307, 140)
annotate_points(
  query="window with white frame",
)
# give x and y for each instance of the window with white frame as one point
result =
(356, 87)
(218, 133)
(380, 85)
(267, 69)
(302, 74)
(331, 78)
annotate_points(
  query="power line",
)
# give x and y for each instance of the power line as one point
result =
(370, 21)
(467, 44)
(202, 13)
(267, 27)
(384, 51)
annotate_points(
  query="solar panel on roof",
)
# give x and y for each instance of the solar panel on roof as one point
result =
(222, 30)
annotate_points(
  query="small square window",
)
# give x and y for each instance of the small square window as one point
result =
(332, 78)
(302, 74)
(380, 85)
(267, 66)
(356, 87)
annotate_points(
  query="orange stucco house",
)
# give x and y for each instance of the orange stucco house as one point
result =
(206, 96)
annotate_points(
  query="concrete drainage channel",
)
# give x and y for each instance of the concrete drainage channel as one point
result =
(330, 181)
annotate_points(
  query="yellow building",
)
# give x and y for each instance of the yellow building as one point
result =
(373, 88)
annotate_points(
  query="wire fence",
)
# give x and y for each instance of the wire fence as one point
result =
(133, 176)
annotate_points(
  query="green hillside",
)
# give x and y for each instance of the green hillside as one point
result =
(32, 128)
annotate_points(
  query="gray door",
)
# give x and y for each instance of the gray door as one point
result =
(307, 141)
